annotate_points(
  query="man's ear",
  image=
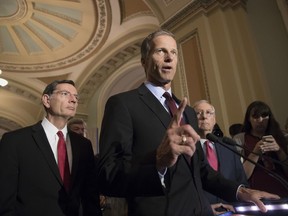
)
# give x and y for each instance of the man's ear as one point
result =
(46, 100)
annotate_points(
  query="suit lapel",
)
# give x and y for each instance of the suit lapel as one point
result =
(156, 107)
(218, 148)
(44, 147)
(75, 156)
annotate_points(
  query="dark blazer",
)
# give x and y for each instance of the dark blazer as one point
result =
(133, 126)
(30, 182)
(230, 166)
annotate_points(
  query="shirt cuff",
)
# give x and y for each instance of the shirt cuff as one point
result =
(241, 185)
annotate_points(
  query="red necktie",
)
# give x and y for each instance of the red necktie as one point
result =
(63, 163)
(211, 156)
(170, 102)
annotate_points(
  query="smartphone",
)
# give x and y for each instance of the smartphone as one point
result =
(267, 138)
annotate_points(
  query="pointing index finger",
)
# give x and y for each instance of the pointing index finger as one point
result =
(175, 122)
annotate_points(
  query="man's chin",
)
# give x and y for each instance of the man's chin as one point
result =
(161, 82)
(165, 82)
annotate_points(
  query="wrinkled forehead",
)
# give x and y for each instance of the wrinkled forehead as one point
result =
(67, 87)
(204, 106)
(164, 40)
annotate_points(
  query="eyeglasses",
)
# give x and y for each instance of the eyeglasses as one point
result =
(66, 94)
(207, 113)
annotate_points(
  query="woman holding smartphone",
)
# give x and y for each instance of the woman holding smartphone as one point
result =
(262, 135)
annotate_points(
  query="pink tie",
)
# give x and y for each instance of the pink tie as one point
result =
(211, 156)
(63, 163)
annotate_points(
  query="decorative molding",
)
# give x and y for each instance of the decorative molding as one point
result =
(139, 14)
(168, 2)
(38, 7)
(101, 74)
(23, 93)
(182, 68)
(79, 56)
(22, 11)
(8, 125)
(199, 6)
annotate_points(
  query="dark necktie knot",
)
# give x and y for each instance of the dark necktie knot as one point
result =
(171, 104)
(167, 96)
(60, 134)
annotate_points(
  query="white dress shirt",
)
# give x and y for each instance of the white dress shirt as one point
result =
(51, 134)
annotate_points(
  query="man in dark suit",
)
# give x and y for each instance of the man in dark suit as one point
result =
(30, 181)
(155, 162)
(228, 163)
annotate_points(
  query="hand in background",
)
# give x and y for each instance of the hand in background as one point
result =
(220, 208)
(255, 196)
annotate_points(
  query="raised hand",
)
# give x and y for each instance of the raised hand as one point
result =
(179, 139)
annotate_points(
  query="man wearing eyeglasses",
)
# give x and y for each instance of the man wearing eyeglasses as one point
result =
(46, 170)
(225, 161)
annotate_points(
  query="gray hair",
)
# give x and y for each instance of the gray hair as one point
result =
(76, 121)
(146, 44)
(203, 101)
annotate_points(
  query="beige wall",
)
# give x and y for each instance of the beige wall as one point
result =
(233, 55)
(227, 54)
(271, 40)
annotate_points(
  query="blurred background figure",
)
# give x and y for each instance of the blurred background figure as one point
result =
(78, 126)
(235, 129)
(228, 163)
(217, 131)
(263, 135)
(286, 125)
(110, 206)
(285, 131)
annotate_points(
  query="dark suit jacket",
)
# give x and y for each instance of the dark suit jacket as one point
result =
(30, 182)
(230, 167)
(133, 126)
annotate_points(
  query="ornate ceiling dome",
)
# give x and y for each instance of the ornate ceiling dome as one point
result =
(38, 36)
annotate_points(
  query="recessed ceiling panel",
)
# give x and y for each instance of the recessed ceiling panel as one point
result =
(50, 34)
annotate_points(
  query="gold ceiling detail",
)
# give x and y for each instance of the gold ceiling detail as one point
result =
(94, 82)
(52, 35)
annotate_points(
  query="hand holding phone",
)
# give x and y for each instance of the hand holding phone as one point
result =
(268, 139)
(269, 144)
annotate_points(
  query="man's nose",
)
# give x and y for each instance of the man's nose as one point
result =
(169, 56)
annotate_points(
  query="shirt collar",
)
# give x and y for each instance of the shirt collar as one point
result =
(157, 91)
(50, 129)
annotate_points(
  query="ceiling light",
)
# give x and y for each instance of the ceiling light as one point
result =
(3, 82)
